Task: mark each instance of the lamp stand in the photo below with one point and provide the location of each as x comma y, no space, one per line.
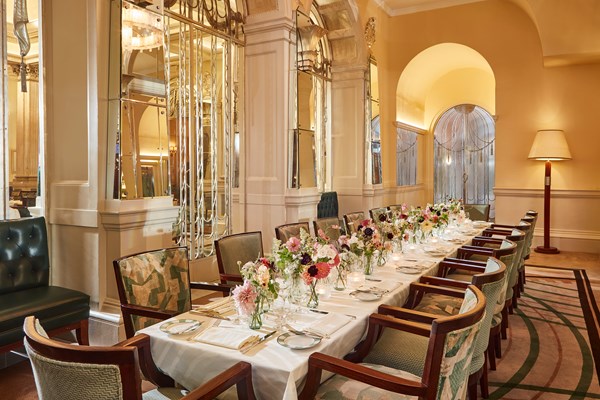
546,248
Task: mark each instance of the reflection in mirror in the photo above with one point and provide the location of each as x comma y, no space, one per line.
20,102
143,129
309,136
374,126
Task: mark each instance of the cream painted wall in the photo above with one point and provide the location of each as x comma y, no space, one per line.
464,86
528,97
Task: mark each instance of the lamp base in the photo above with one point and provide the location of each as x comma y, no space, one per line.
547,250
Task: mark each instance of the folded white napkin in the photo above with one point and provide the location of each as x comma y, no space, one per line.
218,307
231,338
181,327
328,324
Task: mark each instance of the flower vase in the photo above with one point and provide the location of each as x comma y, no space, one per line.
256,317
297,290
369,264
313,299
340,280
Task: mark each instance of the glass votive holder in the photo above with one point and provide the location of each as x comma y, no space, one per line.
355,280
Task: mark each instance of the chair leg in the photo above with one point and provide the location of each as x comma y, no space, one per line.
491,353
504,323
483,381
515,296
82,333
522,280
498,347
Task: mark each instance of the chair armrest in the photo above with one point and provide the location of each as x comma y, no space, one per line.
408,317
149,369
217,287
147,311
467,251
318,362
231,277
479,241
461,261
239,374
504,226
435,280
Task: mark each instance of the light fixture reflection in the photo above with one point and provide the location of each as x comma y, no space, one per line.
141,29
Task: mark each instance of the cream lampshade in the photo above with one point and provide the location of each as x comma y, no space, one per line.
549,145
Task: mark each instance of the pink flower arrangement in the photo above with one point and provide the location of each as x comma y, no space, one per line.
245,298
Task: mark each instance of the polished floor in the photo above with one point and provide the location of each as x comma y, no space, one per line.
17,382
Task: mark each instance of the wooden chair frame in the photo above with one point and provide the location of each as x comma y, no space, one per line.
128,310
131,355
350,219
279,230
223,275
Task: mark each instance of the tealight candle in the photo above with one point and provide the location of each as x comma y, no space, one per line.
396,256
324,290
355,280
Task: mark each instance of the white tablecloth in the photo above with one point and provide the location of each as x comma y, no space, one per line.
278,371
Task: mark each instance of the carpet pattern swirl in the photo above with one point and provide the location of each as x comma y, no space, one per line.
553,345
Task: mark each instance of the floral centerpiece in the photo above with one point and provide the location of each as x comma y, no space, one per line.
367,242
307,258
258,290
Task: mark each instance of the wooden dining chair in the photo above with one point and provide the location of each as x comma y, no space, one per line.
67,371
236,249
330,227
155,285
352,220
491,279
441,372
286,231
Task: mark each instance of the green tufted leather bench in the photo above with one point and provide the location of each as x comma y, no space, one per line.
25,289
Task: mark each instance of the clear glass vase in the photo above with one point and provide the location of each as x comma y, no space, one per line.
369,262
340,279
256,317
313,296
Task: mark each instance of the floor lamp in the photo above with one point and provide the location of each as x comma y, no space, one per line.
549,145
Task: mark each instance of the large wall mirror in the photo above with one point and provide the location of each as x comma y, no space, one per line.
312,79
373,124
176,72
139,90
21,105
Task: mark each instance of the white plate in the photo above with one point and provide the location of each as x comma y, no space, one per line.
298,342
366,296
180,326
480,224
409,270
436,252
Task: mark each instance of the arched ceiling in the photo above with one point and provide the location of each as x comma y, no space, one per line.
435,62
569,31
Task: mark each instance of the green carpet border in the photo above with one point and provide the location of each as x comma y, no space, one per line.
591,313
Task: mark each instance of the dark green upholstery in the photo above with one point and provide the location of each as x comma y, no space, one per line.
24,284
242,247
328,206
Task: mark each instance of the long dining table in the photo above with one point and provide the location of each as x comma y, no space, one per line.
279,371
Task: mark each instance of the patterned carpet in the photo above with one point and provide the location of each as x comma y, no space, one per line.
553,348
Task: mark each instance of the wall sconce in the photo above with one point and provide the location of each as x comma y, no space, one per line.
307,49
549,145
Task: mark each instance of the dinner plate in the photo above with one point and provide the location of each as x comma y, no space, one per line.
180,326
436,252
366,296
480,224
409,270
298,342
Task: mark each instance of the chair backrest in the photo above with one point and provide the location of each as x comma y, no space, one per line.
478,212
284,232
534,214
240,247
451,347
529,221
329,226
65,371
159,279
375,213
328,205
493,285
395,207
352,220
24,261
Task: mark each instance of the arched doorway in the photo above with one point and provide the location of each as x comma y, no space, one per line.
464,162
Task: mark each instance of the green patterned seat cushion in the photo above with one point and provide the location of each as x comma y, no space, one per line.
164,394
339,387
439,304
400,350
157,279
